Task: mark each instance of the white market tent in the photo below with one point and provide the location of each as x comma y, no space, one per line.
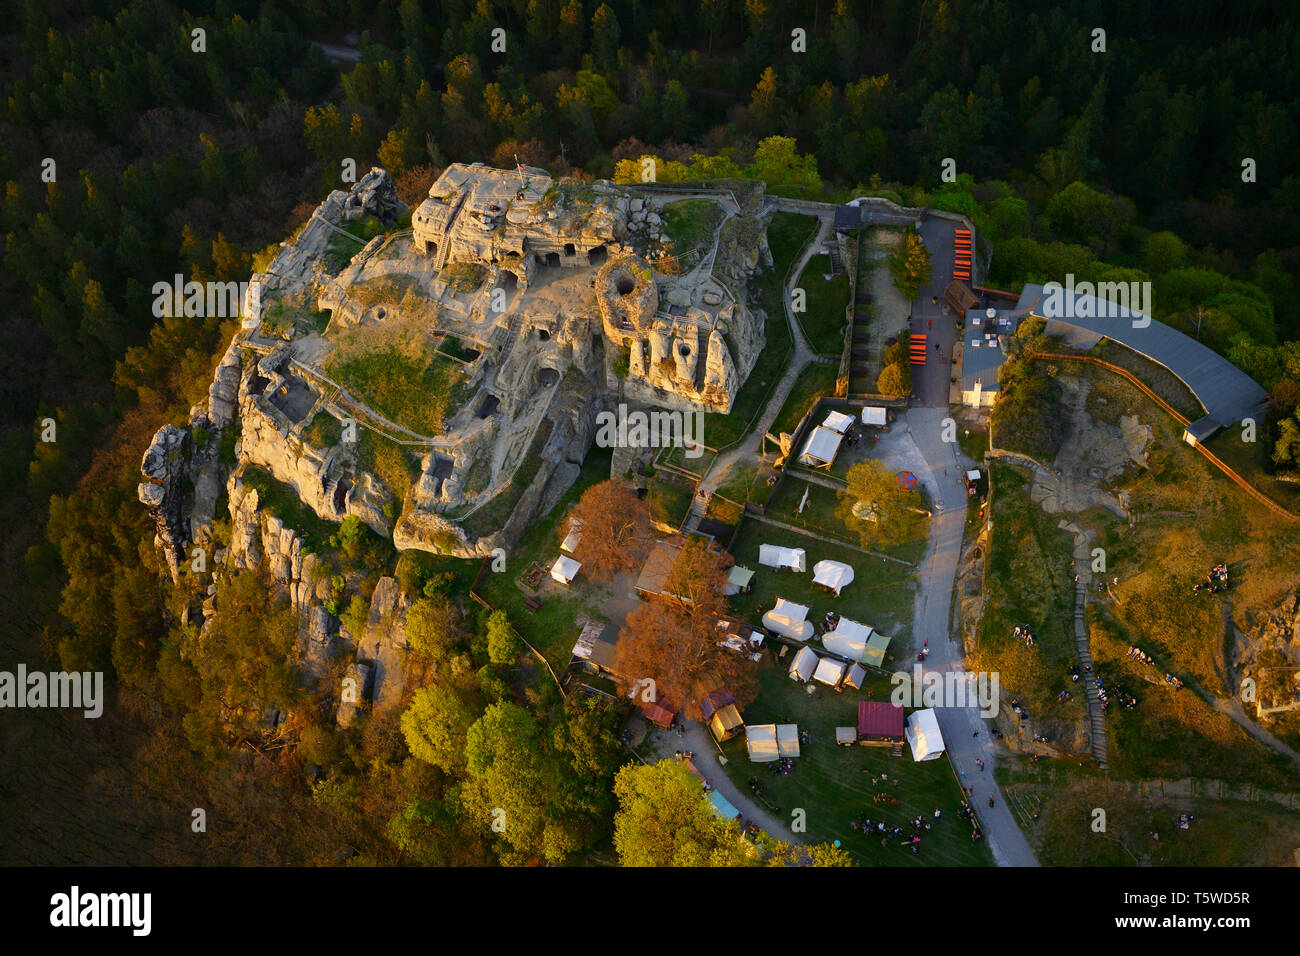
838,422
829,672
923,735
760,739
738,579
873,415
789,620
846,735
832,574
973,475
803,665
856,675
848,640
787,740
775,556
564,569
821,448
570,542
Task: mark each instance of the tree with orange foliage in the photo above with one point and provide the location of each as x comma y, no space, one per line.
675,641
615,526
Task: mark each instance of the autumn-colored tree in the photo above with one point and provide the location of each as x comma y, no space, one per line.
895,380
666,642
909,265
697,579
877,506
616,529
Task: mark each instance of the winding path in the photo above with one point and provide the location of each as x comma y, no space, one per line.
748,448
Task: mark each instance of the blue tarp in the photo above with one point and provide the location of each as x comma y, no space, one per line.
722,807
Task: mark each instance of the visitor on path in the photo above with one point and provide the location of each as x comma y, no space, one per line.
990,803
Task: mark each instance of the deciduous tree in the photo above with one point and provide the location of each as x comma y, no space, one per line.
616,529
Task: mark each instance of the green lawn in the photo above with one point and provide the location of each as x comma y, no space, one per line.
689,224
834,786
1250,460
821,515
1154,375
826,299
1029,579
815,382
698,466
669,495
880,594
551,628
415,392
721,431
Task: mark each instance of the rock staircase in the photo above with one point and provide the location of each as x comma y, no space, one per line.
837,263
1096,716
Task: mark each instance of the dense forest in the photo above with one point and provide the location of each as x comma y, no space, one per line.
148,139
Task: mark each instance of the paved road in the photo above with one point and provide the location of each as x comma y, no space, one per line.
938,468
698,739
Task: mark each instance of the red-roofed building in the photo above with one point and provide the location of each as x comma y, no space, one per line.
659,714
879,722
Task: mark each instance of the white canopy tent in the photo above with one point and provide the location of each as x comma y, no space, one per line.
922,732
775,556
760,739
789,620
571,540
738,579
848,640
829,672
820,449
838,422
564,569
856,675
832,574
803,665
787,740
874,415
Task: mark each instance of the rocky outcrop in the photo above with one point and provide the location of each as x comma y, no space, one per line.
165,467
327,480
1269,652
384,643
374,195
223,393
255,536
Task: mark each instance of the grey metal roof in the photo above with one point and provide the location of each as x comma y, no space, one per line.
981,357
1228,393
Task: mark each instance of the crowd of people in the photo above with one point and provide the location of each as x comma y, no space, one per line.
1141,655
1125,699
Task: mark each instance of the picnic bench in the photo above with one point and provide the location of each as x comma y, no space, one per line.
532,603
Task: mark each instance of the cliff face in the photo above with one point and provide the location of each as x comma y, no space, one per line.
1269,653
165,468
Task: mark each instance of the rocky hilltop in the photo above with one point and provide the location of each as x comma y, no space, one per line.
441,383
